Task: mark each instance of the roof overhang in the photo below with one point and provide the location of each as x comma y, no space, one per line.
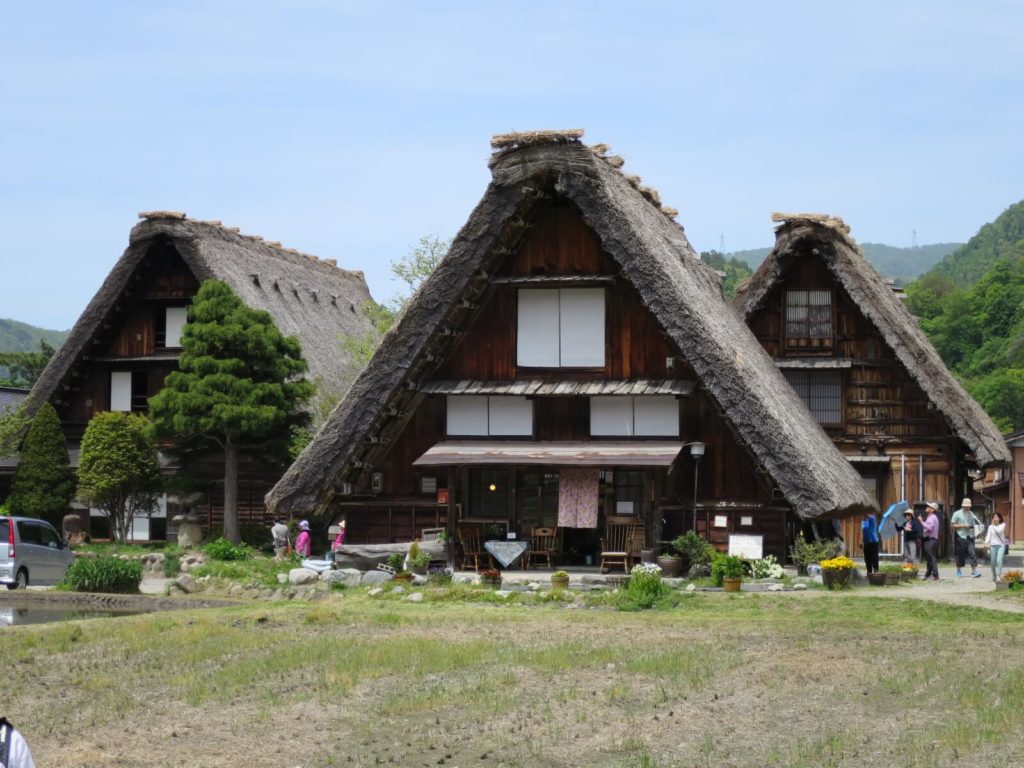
569,454
824,362
539,387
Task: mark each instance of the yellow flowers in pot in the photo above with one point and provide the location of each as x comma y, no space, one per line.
840,563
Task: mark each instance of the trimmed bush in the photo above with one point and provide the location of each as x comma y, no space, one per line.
104,574
172,565
222,549
644,589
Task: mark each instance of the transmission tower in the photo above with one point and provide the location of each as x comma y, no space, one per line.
913,241
721,244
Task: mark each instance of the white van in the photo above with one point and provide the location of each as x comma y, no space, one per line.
31,552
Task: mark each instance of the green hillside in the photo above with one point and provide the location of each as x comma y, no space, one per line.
971,306
900,264
22,337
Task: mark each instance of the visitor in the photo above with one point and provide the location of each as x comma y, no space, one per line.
279,532
962,523
14,752
998,544
912,533
339,540
869,531
930,535
302,541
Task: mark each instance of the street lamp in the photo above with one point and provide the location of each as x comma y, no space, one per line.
696,453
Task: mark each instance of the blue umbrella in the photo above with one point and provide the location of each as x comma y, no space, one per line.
892,520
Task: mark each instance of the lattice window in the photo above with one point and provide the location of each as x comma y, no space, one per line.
821,392
809,315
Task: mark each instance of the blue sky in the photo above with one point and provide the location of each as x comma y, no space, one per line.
348,130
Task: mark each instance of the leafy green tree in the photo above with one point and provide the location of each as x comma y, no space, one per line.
239,385
736,271
13,425
118,471
44,484
23,368
1001,394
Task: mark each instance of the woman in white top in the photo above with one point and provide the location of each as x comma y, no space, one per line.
997,542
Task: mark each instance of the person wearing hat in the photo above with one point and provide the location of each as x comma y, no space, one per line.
303,541
912,533
930,537
962,523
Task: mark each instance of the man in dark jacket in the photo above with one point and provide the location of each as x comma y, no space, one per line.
912,532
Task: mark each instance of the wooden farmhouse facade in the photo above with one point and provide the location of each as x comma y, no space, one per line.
867,374
129,337
570,363
1003,487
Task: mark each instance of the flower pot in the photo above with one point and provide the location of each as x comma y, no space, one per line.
838,578
403,576
908,576
876,579
671,567
1002,585
559,582
732,583
891,579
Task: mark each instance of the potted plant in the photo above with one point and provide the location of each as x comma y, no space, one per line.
671,564
1011,580
695,550
892,572
908,572
396,562
417,559
837,572
767,568
727,572
876,579
805,552
491,577
560,580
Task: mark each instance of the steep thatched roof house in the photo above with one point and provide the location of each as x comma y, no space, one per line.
128,338
862,364
572,309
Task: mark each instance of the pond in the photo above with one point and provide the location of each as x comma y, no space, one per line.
14,614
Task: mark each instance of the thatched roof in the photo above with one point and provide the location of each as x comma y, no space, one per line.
309,298
653,254
829,238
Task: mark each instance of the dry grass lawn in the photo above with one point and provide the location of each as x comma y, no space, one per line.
748,680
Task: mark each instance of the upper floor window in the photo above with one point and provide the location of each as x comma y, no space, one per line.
561,328
821,391
629,416
809,318
170,322
129,391
481,416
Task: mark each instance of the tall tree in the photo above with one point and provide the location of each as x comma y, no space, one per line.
44,484
23,368
118,471
238,385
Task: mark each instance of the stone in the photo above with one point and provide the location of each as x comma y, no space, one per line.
533,586
347,577
185,583
282,578
415,597
698,572
398,590
465,577
418,580
375,591
277,594
504,594
297,576
375,577
190,533
799,587
672,582
691,587
236,589
775,588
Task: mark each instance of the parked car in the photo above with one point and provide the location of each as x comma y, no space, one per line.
31,552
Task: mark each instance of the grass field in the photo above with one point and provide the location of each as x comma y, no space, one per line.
749,680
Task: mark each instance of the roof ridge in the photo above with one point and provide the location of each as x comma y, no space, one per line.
825,219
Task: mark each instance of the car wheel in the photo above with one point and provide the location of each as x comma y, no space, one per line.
21,582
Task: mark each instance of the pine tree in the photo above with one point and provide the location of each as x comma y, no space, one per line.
118,471
237,385
44,484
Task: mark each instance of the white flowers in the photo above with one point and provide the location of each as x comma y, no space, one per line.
650,569
767,568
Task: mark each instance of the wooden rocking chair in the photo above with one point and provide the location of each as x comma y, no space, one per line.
615,544
543,545
472,548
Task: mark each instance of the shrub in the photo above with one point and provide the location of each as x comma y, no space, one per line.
255,534
172,565
699,551
222,549
767,568
807,552
104,574
726,567
417,558
397,561
644,590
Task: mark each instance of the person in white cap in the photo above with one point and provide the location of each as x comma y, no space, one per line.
930,540
962,523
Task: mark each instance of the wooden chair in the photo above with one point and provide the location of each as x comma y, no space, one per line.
472,547
635,542
616,542
543,545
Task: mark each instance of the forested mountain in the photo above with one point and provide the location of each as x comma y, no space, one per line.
22,337
971,306
900,264
735,270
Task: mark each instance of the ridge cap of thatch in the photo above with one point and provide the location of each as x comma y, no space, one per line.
504,142
652,254
877,300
